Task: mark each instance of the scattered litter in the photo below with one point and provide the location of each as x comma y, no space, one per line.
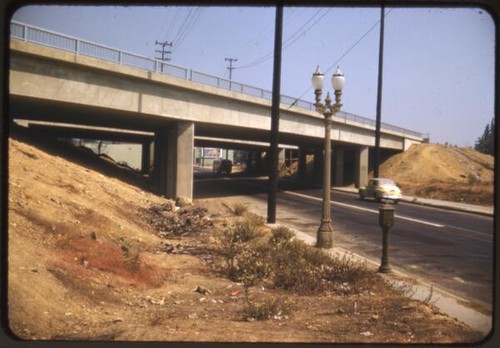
202,290
408,307
155,301
168,219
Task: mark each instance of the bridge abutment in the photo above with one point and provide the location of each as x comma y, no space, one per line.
146,157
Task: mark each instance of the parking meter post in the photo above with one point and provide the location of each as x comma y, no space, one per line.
386,221
385,266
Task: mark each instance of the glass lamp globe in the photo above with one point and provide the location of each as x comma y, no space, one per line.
338,80
318,79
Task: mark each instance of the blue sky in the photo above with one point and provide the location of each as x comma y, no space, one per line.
438,62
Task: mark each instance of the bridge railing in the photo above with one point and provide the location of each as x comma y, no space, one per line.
52,39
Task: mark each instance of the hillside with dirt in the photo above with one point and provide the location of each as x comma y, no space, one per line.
94,258
443,172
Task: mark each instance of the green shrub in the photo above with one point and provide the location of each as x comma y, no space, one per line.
252,267
255,219
293,269
233,240
240,209
299,267
281,261
345,269
281,234
268,309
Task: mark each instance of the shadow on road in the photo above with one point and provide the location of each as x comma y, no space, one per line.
212,185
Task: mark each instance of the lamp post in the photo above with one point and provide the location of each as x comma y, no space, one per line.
324,237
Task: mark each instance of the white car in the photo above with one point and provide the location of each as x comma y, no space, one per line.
380,188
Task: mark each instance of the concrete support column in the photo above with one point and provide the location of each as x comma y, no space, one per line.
361,178
160,161
249,168
180,160
302,165
146,157
173,154
339,166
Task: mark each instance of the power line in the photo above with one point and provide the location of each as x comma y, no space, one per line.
163,25
262,36
180,23
183,26
186,27
342,56
173,22
290,40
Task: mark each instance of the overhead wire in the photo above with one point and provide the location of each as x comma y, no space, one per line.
342,56
178,27
184,27
259,39
163,25
245,48
172,24
290,40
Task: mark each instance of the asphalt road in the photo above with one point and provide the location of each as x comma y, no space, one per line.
452,250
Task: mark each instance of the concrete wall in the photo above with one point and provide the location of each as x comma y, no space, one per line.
129,153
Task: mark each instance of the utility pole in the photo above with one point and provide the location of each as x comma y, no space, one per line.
163,51
275,117
230,68
379,94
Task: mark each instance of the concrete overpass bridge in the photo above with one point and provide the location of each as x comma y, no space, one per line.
67,87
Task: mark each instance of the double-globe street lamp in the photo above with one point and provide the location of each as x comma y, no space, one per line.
324,237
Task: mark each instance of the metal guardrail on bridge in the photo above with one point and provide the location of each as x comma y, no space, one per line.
75,45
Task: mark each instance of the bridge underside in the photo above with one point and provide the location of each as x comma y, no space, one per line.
56,111
168,144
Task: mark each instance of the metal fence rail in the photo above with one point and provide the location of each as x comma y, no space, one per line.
49,38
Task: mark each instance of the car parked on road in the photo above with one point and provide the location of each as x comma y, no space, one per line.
222,166
380,188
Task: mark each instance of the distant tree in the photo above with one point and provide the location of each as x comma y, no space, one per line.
485,143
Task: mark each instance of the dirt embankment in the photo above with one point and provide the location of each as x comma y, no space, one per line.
442,172
93,258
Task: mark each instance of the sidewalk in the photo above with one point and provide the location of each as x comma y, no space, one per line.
468,208
450,304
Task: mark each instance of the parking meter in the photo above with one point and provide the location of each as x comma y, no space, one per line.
386,221
386,216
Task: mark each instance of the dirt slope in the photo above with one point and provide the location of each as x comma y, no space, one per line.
87,262
441,172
